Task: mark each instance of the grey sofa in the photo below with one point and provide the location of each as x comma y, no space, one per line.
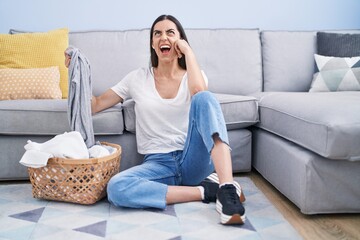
113,54
305,144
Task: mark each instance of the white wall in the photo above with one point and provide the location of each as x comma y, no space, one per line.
78,15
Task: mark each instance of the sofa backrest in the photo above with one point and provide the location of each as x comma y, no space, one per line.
231,58
112,54
288,59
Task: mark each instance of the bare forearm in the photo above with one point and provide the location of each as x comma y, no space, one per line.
104,101
93,105
196,80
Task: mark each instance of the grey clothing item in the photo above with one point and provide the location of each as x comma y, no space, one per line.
80,94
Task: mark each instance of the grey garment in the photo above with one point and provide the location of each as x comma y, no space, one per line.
80,94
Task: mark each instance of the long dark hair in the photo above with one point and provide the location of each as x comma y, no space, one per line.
153,56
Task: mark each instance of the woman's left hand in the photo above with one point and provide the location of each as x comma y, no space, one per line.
67,59
181,47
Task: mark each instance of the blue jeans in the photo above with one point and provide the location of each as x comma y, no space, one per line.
146,185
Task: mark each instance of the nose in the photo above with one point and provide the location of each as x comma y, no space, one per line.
164,37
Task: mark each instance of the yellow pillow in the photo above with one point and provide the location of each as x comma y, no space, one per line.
36,83
36,50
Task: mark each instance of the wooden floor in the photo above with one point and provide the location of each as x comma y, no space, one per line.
325,226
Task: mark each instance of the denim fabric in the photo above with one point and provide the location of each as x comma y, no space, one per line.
146,185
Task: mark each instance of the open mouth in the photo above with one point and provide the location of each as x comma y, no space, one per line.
165,48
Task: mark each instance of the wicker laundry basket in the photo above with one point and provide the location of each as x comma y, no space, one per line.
81,181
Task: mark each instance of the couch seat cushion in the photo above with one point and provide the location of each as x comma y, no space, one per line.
326,123
239,111
49,117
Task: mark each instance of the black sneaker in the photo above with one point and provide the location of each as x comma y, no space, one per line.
229,206
214,178
210,190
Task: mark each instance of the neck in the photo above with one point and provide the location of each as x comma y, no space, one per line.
168,69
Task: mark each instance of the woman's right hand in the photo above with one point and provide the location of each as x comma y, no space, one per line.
67,59
182,47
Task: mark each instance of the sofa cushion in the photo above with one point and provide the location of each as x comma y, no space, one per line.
336,74
239,111
36,50
288,60
229,56
338,44
326,123
49,117
30,83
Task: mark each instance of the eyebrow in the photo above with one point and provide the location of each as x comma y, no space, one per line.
168,30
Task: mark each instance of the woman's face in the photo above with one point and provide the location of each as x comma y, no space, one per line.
164,36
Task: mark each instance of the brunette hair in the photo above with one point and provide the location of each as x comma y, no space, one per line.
154,58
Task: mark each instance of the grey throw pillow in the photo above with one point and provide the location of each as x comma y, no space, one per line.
338,44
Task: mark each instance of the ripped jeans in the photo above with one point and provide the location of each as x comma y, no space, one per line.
146,185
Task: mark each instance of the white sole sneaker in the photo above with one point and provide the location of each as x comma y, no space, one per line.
229,219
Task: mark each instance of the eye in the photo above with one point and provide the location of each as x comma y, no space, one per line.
171,32
156,33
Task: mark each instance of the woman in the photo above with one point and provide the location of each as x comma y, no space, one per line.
179,128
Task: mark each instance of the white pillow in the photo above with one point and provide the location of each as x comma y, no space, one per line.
336,74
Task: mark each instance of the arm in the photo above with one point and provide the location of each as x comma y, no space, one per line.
104,101
196,81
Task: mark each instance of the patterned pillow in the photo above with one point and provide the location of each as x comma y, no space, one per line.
36,50
336,74
36,83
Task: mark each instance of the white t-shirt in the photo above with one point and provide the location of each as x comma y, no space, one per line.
161,124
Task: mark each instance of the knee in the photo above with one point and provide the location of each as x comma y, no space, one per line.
116,190
204,97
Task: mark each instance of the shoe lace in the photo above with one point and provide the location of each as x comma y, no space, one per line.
231,195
